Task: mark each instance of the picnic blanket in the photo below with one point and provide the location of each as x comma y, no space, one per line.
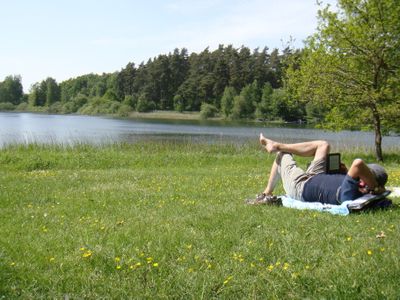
330,208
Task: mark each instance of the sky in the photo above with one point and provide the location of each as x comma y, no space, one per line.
69,38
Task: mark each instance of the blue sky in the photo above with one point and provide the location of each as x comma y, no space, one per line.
65,39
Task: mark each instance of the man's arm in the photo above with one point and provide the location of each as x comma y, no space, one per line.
360,171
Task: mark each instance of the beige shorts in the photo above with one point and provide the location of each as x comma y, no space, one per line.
293,177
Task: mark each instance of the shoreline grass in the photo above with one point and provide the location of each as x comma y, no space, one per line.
167,220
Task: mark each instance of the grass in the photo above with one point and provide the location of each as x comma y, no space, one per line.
167,220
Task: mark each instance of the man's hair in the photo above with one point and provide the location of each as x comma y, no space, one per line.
379,172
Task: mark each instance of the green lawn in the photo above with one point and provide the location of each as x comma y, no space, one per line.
157,220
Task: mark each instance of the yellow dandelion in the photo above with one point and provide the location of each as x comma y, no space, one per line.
12,264
348,238
138,264
118,267
155,265
51,259
369,252
87,254
382,249
117,259
285,266
227,280
307,267
82,249
270,267
189,247
149,260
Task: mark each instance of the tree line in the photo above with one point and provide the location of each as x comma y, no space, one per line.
230,82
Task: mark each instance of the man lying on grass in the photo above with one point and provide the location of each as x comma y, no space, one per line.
314,184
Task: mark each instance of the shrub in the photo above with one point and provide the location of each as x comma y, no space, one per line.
208,111
22,106
6,106
56,108
144,105
124,110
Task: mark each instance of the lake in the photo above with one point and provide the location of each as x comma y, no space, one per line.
25,128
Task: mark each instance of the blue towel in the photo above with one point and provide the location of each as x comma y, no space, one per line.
331,208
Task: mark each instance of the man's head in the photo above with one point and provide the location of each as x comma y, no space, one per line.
380,174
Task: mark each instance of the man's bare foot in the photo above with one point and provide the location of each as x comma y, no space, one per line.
269,145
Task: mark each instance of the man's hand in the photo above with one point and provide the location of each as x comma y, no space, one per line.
343,169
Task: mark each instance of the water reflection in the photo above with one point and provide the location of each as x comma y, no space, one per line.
24,128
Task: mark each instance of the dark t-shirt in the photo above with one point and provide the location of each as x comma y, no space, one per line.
330,188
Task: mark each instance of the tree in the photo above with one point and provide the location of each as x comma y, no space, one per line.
37,95
227,101
11,90
208,111
351,67
264,108
125,80
244,104
53,93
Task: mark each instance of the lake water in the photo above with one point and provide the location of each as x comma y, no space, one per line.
25,128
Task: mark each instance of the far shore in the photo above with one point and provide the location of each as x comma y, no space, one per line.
168,114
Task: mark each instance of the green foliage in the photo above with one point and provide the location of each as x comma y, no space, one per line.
227,101
177,81
90,85
208,111
75,103
124,110
44,93
11,90
22,106
98,106
179,104
130,101
110,95
144,105
6,106
52,92
167,220
351,65
56,108
264,109
244,105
